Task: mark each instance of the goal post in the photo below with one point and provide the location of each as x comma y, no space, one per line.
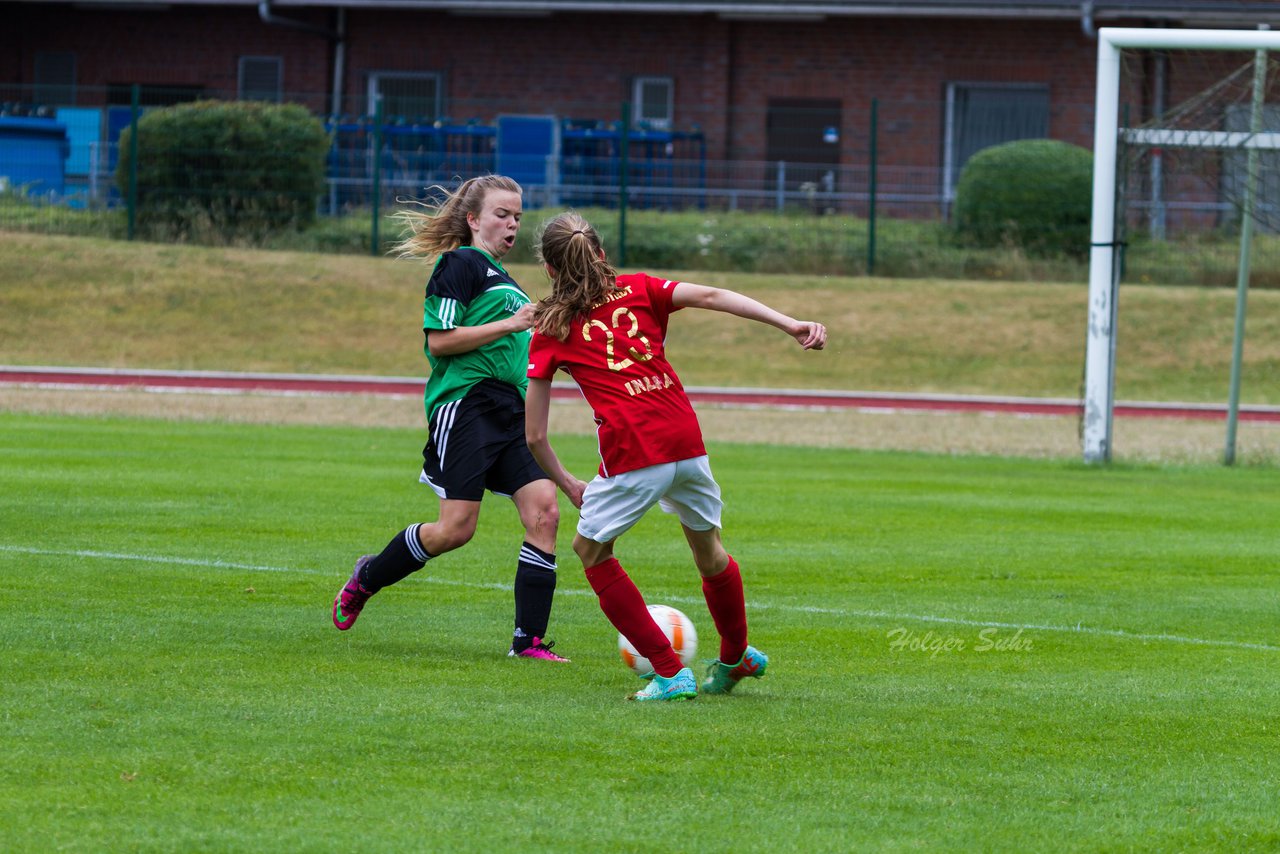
1100,346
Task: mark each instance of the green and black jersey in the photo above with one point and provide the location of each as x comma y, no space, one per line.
468,287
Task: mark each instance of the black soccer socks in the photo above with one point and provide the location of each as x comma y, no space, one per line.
403,556
535,588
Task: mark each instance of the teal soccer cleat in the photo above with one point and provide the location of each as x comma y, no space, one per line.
721,677
682,686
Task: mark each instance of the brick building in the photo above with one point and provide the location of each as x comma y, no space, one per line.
755,82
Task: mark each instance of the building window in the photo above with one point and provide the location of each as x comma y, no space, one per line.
55,78
260,78
802,143
980,115
653,102
411,96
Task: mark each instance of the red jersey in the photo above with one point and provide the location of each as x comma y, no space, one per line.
615,355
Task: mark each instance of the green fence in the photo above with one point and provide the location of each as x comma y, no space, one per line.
871,195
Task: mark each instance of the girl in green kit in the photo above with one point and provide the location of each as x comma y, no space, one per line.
476,320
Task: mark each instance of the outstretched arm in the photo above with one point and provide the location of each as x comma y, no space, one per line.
464,339
810,334
537,408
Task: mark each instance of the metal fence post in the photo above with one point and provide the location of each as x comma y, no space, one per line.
377,176
871,202
780,190
135,99
624,143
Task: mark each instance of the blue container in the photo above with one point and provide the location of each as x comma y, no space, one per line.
33,154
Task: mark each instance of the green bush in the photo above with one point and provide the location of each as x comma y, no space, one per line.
1033,194
211,170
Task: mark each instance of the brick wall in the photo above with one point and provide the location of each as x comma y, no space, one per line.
180,46
725,72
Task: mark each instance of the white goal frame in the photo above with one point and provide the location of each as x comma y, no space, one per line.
1100,346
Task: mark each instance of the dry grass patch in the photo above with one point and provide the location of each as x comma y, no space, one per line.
89,302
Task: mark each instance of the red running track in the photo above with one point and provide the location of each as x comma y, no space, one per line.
314,384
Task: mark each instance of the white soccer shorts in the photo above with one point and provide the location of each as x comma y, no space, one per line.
612,505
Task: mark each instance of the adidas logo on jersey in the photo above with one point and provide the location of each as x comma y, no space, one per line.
492,272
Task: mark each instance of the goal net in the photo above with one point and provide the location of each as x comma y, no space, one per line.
1187,142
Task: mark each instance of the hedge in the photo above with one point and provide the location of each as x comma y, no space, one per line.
1034,194
216,169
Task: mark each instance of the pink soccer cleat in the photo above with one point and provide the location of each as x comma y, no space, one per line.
541,649
350,601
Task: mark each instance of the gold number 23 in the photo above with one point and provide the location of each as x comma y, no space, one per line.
621,314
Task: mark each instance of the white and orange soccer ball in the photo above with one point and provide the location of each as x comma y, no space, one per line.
679,630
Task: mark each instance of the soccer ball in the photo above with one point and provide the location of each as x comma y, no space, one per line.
679,630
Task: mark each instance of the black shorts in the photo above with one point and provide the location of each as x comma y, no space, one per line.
478,443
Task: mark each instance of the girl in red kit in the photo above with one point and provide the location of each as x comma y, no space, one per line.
607,332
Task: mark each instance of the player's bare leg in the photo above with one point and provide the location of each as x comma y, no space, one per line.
708,552
539,513
453,529
590,552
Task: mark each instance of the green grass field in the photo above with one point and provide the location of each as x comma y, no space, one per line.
173,682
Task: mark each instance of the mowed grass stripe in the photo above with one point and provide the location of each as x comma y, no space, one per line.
216,708
753,604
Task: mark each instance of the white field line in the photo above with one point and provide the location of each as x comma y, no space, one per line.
754,604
